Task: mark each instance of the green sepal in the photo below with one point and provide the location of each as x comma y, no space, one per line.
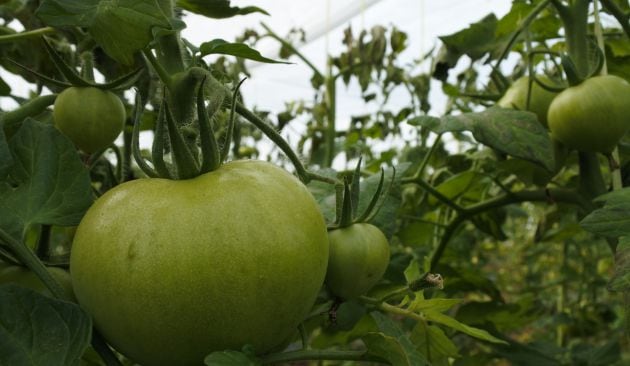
375,198
227,141
383,197
211,156
135,139
68,72
355,189
184,161
346,218
157,149
58,83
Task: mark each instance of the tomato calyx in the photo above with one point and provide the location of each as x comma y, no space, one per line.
187,161
348,200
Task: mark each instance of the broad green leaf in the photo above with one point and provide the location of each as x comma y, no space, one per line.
219,46
439,305
621,278
395,342
230,358
475,41
516,133
612,220
432,342
120,27
456,185
390,349
217,8
38,330
47,183
453,323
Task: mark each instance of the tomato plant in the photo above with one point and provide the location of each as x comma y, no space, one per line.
539,98
359,255
92,118
249,262
592,116
484,242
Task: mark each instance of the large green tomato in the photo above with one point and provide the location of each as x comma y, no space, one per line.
359,255
592,116
24,277
174,270
539,100
92,118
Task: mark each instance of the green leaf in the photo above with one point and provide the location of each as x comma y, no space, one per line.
453,323
433,343
456,185
47,183
38,330
217,8
516,133
393,343
612,220
439,305
230,358
621,278
219,46
390,349
120,27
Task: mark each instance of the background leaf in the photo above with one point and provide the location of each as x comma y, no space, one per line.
219,46
121,27
38,330
217,8
47,183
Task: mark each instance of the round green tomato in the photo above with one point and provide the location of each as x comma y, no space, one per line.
592,116
92,118
359,255
174,270
539,100
24,277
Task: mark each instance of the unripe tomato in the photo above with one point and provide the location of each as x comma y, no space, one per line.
24,277
540,98
174,270
359,255
92,118
592,116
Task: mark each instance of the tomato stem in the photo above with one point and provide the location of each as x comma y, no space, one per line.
35,33
10,121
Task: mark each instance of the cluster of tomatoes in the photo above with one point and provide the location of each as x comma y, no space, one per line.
592,116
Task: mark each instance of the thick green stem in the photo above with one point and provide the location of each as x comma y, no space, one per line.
591,181
36,33
169,47
575,20
312,354
29,259
11,120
